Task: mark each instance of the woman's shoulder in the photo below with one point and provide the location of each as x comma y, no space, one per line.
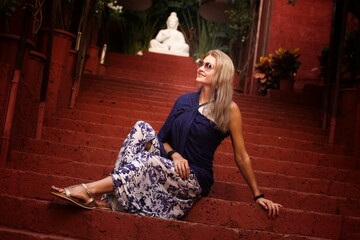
235,113
234,106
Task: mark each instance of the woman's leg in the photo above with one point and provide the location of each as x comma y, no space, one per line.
150,186
136,141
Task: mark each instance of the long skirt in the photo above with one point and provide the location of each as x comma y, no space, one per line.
146,183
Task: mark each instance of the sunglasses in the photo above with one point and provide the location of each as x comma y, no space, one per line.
207,66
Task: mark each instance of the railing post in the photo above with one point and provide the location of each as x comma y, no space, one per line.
10,110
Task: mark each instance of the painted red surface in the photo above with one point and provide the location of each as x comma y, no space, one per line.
307,26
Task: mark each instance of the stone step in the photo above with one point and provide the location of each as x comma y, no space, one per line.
264,166
151,77
67,134
20,234
113,90
228,174
247,114
170,94
232,191
292,199
282,181
152,62
151,111
302,155
100,120
234,215
108,115
120,83
292,155
116,83
238,215
300,170
69,222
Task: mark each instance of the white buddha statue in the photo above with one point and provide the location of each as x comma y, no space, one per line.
170,40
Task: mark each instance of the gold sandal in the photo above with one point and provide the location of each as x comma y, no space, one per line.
89,204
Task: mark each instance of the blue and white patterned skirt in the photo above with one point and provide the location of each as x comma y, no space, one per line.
146,183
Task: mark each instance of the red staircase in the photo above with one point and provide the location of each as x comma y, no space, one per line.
316,182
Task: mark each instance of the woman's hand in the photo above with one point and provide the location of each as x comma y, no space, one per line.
181,165
270,206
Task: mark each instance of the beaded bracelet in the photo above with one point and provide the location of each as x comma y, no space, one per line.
170,153
259,196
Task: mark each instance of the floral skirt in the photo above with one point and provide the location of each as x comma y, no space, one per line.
146,183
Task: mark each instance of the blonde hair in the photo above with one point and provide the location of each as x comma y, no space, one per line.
222,89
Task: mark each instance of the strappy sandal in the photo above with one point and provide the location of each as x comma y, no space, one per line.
89,204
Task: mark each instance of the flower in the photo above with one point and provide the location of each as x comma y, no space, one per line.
283,64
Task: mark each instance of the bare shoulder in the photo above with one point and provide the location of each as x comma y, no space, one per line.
235,117
235,110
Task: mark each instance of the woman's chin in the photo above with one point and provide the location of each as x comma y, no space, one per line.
199,80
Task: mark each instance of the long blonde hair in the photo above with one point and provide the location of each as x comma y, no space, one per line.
222,89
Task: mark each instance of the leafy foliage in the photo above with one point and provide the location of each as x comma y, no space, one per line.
281,65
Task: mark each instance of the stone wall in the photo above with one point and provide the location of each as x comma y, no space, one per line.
307,26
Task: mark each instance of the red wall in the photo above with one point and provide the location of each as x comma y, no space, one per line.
307,26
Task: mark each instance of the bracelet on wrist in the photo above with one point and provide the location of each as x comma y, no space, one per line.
259,196
170,153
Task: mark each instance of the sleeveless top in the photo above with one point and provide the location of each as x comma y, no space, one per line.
194,136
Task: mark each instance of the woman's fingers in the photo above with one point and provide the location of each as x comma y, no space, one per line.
186,169
182,168
273,208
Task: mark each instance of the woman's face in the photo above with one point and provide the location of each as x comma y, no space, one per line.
206,71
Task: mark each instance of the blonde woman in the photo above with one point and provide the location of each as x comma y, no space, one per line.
164,175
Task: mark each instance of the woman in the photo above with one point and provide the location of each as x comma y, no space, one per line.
165,175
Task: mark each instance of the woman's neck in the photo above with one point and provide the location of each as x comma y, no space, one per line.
205,95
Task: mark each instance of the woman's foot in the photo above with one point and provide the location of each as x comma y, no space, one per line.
78,194
102,205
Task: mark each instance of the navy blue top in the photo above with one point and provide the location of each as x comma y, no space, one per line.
194,136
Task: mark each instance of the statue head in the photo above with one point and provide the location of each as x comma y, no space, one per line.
172,21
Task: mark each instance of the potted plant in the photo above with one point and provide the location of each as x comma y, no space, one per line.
264,75
278,70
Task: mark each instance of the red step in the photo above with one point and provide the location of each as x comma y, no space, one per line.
316,182
73,223
233,191
234,215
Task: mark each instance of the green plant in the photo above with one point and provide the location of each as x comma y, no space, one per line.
206,37
202,35
281,65
241,18
139,31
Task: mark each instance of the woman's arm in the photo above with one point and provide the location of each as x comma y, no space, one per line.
243,161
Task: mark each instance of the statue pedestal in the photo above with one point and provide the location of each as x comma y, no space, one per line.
182,54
